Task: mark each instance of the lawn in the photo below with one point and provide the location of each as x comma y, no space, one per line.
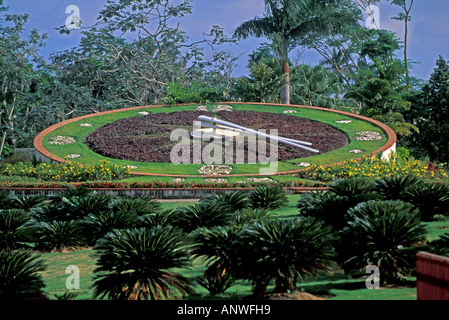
333,285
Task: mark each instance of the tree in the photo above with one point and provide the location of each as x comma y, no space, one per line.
433,137
285,22
18,76
405,16
133,52
315,86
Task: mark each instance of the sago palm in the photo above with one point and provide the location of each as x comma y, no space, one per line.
17,229
135,264
20,275
283,250
382,233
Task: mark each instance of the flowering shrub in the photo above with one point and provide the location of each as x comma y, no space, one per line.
67,172
374,168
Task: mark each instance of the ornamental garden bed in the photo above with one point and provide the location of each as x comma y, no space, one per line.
138,138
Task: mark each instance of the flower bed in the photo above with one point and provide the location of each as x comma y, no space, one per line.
375,168
67,171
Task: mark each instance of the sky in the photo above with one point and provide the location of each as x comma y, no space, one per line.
428,30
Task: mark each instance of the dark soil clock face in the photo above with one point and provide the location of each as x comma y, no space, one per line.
147,138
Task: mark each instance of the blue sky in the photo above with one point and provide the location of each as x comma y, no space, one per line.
428,34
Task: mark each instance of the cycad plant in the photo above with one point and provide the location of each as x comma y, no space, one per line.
282,250
203,214
141,205
60,235
267,197
394,187
161,217
237,200
20,275
17,229
78,207
216,246
431,199
4,199
382,233
332,206
26,202
135,264
95,226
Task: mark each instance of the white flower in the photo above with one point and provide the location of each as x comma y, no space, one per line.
215,170
144,113
222,107
85,125
368,136
130,167
215,180
73,156
201,108
260,179
356,151
303,164
344,121
61,140
290,111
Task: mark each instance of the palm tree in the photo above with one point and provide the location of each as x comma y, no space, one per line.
315,86
285,22
134,264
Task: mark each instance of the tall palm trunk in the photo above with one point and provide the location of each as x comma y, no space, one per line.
285,90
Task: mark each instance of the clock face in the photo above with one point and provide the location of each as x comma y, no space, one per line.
143,139
147,138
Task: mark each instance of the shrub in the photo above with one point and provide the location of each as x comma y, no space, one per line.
267,197
430,198
16,229
332,206
141,206
60,235
385,234
216,286
282,250
79,207
98,225
26,202
373,168
204,214
194,93
237,200
20,275
393,188
136,264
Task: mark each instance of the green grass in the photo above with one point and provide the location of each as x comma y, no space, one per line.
332,286
89,157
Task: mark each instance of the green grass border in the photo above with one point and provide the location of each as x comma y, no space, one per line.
72,129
